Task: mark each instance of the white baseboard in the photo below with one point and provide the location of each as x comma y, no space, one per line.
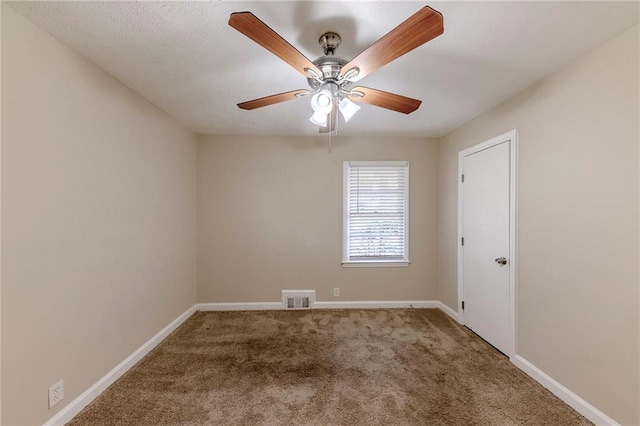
574,401
74,407
447,310
383,304
269,306
250,306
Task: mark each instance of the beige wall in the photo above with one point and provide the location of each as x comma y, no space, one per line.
99,217
577,284
0,225
270,218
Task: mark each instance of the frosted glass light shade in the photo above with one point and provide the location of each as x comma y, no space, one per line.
319,119
348,109
322,102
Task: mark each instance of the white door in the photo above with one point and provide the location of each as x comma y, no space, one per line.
485,229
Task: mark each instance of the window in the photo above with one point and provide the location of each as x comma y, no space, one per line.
376,213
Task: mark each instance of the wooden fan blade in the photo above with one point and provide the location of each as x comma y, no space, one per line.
273,99
332,119
386,100
248,24
424,25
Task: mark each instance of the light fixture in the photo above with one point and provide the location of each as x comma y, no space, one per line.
330,96
319,119
348,109
322,102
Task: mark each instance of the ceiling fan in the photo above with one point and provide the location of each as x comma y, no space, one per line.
331,78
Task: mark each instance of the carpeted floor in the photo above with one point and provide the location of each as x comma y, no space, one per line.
326,367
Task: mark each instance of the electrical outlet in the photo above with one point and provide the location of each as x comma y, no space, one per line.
56,393
336,292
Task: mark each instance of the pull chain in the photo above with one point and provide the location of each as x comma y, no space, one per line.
330,131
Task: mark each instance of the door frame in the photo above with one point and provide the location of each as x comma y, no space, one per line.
510,137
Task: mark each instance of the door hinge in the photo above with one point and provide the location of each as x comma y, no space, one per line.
462,241
463,305
463,178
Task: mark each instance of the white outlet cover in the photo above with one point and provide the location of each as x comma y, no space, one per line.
56,393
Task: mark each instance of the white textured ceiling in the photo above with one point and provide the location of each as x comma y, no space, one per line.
184,58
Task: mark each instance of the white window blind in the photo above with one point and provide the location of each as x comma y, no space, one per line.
376,211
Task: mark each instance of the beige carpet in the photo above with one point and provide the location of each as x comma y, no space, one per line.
326,367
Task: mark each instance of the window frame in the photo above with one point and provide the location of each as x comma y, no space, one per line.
346,262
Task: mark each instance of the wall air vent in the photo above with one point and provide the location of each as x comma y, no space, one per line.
298,299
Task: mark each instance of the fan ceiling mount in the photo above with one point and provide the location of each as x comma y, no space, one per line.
330,77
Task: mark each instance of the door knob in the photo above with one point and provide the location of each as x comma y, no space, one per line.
501,261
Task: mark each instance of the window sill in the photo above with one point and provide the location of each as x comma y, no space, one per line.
375,263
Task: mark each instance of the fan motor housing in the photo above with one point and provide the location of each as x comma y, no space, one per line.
330,67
